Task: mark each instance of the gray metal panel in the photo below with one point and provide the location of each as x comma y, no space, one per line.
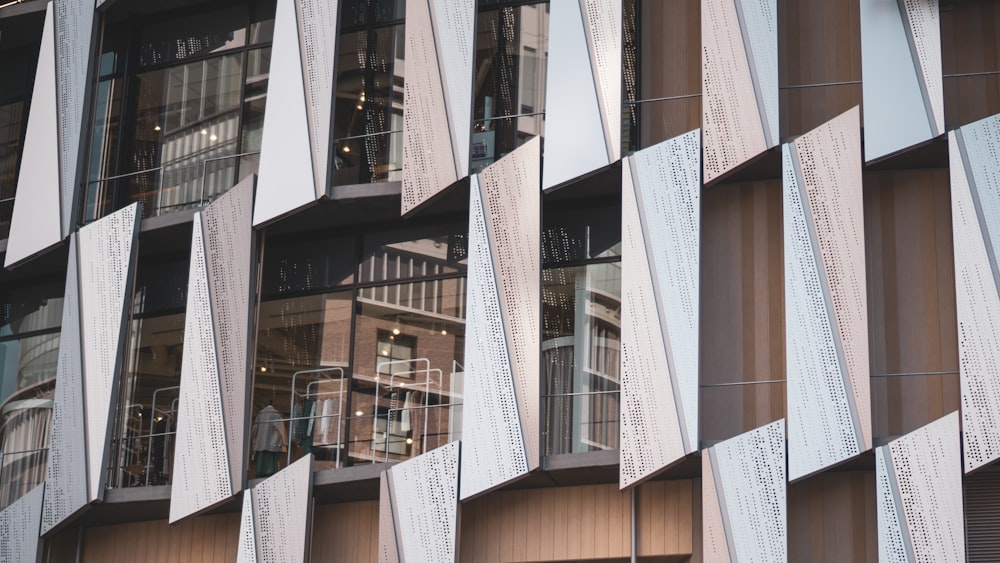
247,550
287,179
282,505
493,450
107,263
19,525
66,482
74,25
36,223
317,22
424,504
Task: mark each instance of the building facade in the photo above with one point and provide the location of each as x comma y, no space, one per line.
499,280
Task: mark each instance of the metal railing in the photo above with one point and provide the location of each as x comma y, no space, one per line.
581,421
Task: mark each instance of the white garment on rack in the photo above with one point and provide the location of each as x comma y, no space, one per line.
325,422
404,419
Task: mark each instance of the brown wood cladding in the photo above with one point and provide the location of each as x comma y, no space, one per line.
346,532
571,523
200,539
832,517
911,289
742,308
970,44
819,42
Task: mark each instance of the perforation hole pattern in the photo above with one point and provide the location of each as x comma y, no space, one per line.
247,550
425,495
454,27
891,548
281,505
19,527
925,29
761,19
317,42
387,550
714,545
74,24
603,25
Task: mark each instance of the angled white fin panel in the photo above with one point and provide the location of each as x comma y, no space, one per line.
901,74
661,222
388,550
317,22
454,28
423,499
826,309
107,263
287,179
975,209
282,507
923,472
748,481
19,525
760,39
247,550
36,223
603,26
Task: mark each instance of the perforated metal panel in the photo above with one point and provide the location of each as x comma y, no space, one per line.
65,472
247,550
454,25
715,546
282,508
739,82
388,550
317,24
603,27
826,310
107,261
975,208
287,179
901,72
661,222
19,525
36,222
747,475
494,451
422,496
922,471
576,131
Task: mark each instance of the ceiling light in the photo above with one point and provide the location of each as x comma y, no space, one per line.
409,440
395,331
385,352
156,127
444,333
263,369
359,413
214,137
204,131
346,148
360,107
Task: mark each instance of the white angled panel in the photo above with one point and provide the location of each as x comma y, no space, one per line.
247,550
575,140
829,411
286,165
661,217
512,205
74,27
923,473
975,209
737,83
201,472
107,260
748,474
715,545
317,20
388,551
454,29
66,483
36,223
901,72
493,450
423,494
19,525
281,512
603,27
429,156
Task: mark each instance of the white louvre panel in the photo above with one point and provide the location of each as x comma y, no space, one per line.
925,481
281,513
247,550
715,546
454,28
749,482
660,234
829,413
201,473
975,208
512,206
424,502
74,28
65,473
891,545
731,112
36,222
388,551
107,260
19,525
317,20
286,166
603,26
900,49
760,39
493,445
429,158
575,141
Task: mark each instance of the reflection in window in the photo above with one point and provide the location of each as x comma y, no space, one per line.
192,125
151,382
359,356
509,78
30,317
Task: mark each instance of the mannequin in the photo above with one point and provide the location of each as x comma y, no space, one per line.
269,440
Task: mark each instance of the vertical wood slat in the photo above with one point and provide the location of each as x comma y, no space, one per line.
831,517
200,539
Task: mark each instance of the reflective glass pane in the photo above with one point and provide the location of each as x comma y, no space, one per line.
576,235
24,443
412,254
193,36
296,264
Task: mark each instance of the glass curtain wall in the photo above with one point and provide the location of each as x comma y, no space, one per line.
359,347
30,318
508,77
581,327
147,414
179,108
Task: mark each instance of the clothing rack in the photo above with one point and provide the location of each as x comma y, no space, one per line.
421,366
312,395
